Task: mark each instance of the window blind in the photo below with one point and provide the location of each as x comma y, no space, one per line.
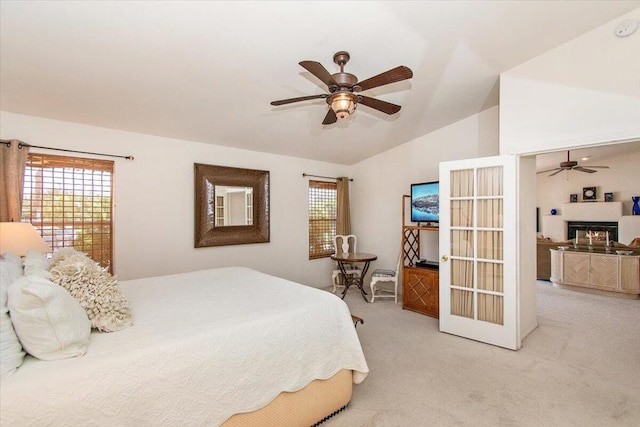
323,207
70,201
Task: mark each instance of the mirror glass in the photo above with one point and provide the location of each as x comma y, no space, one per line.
232,206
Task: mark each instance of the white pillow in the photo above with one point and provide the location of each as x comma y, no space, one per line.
11,265
36,264
49,322
11,354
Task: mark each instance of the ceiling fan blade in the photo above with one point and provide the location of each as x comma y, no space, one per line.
581,169
384,106
318,70
394,75
599,167
549,170
330,118
557,172
301,98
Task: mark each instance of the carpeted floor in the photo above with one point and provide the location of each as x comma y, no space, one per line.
580,367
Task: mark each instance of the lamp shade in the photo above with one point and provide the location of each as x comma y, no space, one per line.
18,237
343,104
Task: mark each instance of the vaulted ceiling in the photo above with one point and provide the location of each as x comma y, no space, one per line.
599,155
206,71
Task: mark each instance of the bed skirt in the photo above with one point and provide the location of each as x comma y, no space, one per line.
306,407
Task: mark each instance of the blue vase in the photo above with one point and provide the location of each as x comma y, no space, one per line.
635,210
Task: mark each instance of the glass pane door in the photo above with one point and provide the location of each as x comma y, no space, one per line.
477,244
477,255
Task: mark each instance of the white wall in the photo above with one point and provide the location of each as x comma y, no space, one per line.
380,182
583,92
622,179
154,214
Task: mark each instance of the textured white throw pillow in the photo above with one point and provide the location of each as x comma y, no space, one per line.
49,322
11,354
93,287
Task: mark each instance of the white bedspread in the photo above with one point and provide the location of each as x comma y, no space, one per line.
204,345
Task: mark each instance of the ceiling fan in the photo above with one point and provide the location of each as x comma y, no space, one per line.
573,165
344,88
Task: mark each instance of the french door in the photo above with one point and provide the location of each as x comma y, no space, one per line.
478,265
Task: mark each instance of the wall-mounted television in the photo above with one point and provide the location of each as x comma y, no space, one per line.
425,202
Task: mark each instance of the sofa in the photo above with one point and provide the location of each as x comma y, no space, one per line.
543,256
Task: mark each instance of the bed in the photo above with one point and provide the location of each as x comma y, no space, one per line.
228,346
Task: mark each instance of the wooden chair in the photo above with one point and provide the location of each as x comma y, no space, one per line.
344,244
382,275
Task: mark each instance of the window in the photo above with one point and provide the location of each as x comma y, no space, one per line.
220,211
249,205
323,207
69,200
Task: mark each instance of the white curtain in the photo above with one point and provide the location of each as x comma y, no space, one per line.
462,183
461,213
13,160
462,303
490,277
491,308
462,243
490,245
490,181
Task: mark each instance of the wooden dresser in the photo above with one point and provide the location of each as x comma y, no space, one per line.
606,272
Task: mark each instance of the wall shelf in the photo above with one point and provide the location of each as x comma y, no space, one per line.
419,227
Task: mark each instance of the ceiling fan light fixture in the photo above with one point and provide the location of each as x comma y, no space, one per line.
344,89
343,104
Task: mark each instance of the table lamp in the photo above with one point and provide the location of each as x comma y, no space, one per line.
18,237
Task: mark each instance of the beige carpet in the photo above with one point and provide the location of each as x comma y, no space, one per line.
580,367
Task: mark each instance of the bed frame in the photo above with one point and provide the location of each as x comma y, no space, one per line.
310,406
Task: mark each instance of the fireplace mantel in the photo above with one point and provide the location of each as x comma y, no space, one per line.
555,226
592,211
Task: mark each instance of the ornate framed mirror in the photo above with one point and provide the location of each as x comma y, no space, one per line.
231,206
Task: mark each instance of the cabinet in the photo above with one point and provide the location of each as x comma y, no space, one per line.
607,272
420,285
420,288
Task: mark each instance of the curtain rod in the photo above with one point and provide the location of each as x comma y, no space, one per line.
22,144
325,177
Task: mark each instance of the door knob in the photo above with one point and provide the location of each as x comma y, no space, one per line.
445,258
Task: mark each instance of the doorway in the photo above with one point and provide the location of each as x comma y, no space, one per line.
618,182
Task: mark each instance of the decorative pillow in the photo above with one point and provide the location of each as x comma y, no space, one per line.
36,264
11,354
49,322
93,287
384,273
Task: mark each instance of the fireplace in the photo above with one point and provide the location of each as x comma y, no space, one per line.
596,229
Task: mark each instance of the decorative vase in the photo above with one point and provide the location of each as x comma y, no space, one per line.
635,210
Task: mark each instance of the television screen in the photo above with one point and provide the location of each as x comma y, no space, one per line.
425,202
